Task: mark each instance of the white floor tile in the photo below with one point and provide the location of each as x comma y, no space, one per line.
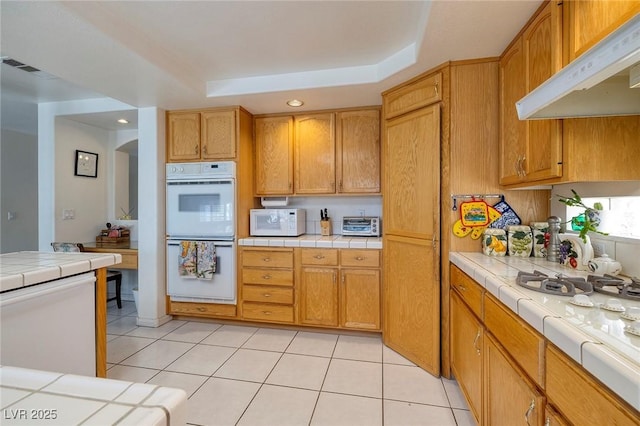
317,344
335,409
389,356
156,332
464,417
299,371
122,325
124,346
202,359
188,382
192,332
282,406
354,378
359,348
158,355
128,309
413,384
456,398
407,414
247,364
220,402
131,374
230,335
270,339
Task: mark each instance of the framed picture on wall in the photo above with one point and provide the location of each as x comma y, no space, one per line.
86,164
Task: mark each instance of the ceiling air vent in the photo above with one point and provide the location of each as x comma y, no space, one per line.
27,68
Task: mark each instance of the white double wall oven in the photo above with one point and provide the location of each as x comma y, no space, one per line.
201,208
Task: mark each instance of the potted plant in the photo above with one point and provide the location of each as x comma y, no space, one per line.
585,222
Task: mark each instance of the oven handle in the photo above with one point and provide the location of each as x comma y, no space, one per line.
200,182
217,243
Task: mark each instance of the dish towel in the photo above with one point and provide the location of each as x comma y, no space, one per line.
206,259
187,261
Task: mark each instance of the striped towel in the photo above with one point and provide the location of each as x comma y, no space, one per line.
206,259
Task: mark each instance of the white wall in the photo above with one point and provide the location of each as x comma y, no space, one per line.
19,189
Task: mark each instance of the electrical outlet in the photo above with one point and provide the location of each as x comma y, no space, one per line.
11,215
361,212
598,248
68,214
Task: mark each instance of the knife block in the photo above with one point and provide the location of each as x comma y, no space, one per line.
325,228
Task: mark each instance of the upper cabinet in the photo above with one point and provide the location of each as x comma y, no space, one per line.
544,152
329,152
588,22
208,135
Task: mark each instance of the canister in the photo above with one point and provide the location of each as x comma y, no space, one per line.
494,242
539,232
520,240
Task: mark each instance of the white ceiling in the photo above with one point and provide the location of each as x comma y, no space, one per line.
258,54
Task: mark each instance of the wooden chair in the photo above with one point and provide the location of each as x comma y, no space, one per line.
111,275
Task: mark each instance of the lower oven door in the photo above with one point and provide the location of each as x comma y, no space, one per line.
220,288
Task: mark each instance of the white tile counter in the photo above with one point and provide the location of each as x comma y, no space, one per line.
592,336
25,268
309,240
39,397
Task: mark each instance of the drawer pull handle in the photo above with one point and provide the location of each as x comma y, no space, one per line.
266,312
319,256
266,276
475,343
266,294
359,258
202,309
266,259
532,406
462,287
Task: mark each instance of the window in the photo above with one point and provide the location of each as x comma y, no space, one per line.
620,216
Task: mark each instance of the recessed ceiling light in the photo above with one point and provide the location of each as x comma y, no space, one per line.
123,121
295,103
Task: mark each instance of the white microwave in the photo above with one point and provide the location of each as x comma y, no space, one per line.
278,222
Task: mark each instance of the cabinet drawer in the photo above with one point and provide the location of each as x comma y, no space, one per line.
129,261
469,290
580,398
319,257
269,294
522,342
267,258
267,276
203,309
413,96
267,312
360,258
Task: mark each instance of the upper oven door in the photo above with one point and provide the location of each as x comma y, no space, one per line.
201,208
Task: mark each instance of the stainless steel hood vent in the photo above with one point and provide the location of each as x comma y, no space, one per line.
597,84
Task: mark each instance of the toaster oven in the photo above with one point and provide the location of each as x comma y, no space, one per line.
361,226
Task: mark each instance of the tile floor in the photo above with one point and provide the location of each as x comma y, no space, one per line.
242,375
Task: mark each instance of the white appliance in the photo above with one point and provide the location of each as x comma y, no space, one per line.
201,207
50,326
598,83
278,222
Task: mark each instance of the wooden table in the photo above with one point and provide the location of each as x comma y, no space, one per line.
129,252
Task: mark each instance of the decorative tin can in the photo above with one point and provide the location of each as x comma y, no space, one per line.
494,242
539,232
520,240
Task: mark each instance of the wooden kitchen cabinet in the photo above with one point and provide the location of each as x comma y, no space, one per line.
509,398
358,151
588,21
319,296
206,135
267,277
360,289
553,418
274,155
315,155
467,336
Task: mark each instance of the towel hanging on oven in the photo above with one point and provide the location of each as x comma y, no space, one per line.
197,259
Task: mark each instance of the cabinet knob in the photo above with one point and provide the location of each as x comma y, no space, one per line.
196,149
359,258
266,259
435,88
462,287
204,149
266,312
266,294
266,277
319,256
201,309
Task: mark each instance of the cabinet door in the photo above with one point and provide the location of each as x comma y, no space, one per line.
358,151
589,21
467,335
319,296
542,43
183,136
509,398
553,418
274,155
315,157
512,131
218,135
360,298
412,174
411,324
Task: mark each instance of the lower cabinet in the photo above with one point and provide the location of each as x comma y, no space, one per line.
319,296
360,299
510,398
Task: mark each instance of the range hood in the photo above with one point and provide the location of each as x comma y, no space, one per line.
598,83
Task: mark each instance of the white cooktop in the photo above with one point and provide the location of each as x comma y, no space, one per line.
592,336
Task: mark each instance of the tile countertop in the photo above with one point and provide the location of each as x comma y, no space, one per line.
593,337
42,397
309,240
25,268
